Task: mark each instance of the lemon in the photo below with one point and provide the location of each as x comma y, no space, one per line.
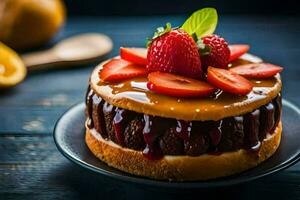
30,23
12,69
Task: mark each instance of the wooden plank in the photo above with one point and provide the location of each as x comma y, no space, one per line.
32,168
22,120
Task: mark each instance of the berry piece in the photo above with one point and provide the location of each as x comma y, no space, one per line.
175,52
219,53
170,144
119,69
178,86
237,50
136,55
228,81
197,145
133,134
257,70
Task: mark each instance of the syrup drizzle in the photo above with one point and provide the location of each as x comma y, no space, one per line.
183,129
266,119
107,107
278,107
117,123
152,150
251,128
102,127
216,133
96,103
89,107
255,147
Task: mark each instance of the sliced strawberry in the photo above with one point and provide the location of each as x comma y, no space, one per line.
257,70
135,55
228,81
237,50
178,86
118,69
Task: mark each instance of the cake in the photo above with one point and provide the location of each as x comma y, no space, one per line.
188,107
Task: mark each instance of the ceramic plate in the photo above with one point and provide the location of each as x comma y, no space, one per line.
69,136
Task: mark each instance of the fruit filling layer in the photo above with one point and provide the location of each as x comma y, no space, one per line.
157,136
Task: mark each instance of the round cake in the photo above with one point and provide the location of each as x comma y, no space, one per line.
173,124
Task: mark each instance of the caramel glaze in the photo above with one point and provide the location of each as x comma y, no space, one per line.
157,136
133,95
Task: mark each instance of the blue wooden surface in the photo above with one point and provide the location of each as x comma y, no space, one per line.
32,168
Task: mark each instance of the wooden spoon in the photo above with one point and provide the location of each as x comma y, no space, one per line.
76,50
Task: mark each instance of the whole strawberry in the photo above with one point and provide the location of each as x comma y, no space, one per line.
218,54
174,51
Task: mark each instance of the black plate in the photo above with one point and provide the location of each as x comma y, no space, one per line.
69,135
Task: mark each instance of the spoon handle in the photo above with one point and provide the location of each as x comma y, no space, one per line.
76,50
40,60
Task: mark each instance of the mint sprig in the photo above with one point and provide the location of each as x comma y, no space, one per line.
202,22
159,32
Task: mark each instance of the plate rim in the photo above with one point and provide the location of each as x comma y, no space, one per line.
221,182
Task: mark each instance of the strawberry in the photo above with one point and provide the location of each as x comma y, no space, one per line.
257,70
119,69
176,52
219,53
228,81
237,50
135,55
178,86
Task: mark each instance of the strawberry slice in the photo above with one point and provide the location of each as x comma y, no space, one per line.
257,70
135,55
178,86
119,69
228,81
237,50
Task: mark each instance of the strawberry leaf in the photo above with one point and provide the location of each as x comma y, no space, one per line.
202,22
159,32
203,48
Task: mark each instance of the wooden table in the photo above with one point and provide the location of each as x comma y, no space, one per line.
32,168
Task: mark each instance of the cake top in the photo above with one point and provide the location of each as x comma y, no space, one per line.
189,73
133,94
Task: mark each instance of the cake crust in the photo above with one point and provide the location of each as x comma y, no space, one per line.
181,168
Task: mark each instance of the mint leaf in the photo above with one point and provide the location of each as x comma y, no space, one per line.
159,32
202,22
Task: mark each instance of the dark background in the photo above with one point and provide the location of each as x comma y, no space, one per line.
169,7
31,167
